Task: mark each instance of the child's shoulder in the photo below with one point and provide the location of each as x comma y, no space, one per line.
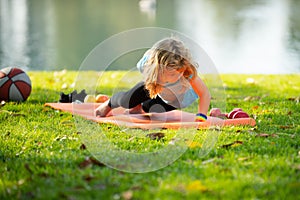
141,63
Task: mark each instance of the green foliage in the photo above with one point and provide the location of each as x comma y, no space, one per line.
42,155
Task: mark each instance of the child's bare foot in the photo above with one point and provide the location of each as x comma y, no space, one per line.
103,109
135,110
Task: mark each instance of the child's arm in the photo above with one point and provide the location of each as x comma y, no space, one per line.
204,95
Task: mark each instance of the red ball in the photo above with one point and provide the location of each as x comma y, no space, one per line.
240,114
15,84
231,114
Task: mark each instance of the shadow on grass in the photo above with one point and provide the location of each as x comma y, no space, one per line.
40,96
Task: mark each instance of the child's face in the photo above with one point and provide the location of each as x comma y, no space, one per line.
169,76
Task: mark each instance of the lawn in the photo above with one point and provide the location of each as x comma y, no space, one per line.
44,154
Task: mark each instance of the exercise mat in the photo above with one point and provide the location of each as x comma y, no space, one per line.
173,120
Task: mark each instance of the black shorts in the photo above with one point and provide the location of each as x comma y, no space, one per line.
139,95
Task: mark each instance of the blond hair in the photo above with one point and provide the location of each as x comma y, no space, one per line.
169,53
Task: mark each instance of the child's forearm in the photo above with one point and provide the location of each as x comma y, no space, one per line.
204,95
203,106
204,102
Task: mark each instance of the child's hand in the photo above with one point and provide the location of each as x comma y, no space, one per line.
216,112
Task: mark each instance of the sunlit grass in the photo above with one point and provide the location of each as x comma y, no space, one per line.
43,155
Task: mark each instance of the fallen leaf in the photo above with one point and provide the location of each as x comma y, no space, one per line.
82,147
195,186
248,98
132,138
28,168
235,143
7,134
58,138
244,158
266,135
194,144
87,162
262,135
156,136
174,141
44,174
208,161
13,114
253,129
296,99
67,123
136,187
96,162
18,114
286,127
251,98
297,167
21,182
127,195
88,178
90,161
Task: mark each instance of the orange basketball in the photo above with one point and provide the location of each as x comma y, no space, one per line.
15,84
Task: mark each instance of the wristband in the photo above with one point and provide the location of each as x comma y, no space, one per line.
200,117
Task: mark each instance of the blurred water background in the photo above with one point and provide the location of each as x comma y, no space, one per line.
240,36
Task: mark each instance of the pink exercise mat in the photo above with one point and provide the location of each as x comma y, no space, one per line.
173,119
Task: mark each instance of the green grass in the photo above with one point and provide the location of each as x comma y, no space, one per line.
44,154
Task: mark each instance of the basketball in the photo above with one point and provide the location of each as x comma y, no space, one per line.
15,84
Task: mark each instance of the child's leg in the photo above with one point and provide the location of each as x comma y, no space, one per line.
103,109
135,110
139,95
134,97
156,105
130,99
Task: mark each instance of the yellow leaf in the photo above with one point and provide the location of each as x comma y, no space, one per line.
196,186
194,144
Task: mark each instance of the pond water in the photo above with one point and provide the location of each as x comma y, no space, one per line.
248,36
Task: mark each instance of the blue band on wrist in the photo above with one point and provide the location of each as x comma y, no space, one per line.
202,115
